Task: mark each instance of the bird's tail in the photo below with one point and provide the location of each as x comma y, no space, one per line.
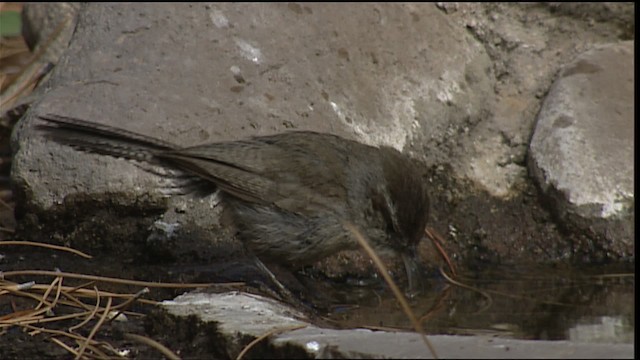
102,139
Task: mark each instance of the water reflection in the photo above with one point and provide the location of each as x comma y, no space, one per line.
603,329
542,303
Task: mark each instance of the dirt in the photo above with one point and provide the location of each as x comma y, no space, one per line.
187,337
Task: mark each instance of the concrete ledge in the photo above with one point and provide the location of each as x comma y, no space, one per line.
239,315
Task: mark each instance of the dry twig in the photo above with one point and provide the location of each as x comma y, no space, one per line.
266,335
394,288
154,344
48,246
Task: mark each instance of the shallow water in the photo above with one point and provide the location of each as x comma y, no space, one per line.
542,303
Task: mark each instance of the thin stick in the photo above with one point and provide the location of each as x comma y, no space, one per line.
114,280
487,293
437,304
95,328
93,313
394,288
266,335
84,293
93,344
14,314
97,351
483,293
44,301
7,230
154,344
4,203
48,246
386,328
122,307
437,241
76,301
11,286
42,70
56,332
28,316
42,320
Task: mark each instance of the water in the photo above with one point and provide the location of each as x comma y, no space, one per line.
541,303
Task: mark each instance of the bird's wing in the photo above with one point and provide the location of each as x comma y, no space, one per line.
297,172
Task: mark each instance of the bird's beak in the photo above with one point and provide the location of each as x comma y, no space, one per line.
411,266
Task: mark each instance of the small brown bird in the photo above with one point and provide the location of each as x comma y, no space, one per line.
290,194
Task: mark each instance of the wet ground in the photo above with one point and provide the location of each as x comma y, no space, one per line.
543,303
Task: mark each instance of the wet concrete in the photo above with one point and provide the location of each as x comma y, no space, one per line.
240,316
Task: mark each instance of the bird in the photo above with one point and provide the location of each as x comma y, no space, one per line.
289,194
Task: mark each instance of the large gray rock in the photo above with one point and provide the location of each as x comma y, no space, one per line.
581,152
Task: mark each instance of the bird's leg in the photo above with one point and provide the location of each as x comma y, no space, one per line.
284,293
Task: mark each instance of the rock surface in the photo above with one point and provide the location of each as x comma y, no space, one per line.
581,152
